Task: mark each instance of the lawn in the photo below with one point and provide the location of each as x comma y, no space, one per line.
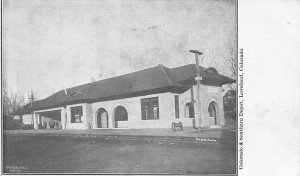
62,154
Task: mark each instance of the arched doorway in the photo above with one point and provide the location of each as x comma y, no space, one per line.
190,113
120,115
189,110
212,110
102,118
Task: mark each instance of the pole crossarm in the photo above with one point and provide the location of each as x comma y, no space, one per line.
196,52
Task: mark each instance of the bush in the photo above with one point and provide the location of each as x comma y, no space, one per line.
40,126
12,124
27,127
230,115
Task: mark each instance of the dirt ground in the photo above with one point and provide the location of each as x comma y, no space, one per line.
63,154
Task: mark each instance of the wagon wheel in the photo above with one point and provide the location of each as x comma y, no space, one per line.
181,126
173,127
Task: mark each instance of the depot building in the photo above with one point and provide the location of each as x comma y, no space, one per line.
151,98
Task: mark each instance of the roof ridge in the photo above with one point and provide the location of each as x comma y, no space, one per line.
188,65
87,90
86,84
165,73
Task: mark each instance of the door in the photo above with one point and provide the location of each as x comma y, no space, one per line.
189,110
102,118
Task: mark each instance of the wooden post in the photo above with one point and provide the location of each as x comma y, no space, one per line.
31,99
198,78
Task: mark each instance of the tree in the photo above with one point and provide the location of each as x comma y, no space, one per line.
5,102
228,55
12,102
227,64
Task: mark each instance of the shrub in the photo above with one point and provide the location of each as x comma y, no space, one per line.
230,115
12,124
27,127
40,126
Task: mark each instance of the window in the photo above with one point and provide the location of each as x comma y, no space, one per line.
176,106
150,108
121,114
76,114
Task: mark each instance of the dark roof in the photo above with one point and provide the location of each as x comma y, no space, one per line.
27,108
186,75
152,80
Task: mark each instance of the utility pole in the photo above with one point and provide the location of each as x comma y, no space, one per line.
198,78
31,99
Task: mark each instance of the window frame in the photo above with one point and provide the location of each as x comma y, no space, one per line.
176,101
73,116
151,102
115,114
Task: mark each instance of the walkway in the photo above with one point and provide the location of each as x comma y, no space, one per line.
222,134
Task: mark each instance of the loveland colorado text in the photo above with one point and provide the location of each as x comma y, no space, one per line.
241,109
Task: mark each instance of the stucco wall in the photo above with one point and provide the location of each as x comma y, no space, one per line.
89,115
27,119
207,95
166,110
83,124
133,107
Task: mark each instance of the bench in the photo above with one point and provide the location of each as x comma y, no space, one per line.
177,125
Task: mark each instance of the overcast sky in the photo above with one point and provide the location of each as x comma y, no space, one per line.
49,45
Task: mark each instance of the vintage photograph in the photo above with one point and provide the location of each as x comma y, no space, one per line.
119,87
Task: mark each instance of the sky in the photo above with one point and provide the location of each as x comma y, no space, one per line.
50,45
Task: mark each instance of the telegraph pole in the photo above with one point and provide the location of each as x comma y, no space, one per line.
31,98
198,78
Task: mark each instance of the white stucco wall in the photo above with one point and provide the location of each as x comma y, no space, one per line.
166,109
89,115
27,119
133,107
83,124
207,95
17,117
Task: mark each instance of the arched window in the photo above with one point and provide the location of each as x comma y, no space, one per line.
212,110
121,114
